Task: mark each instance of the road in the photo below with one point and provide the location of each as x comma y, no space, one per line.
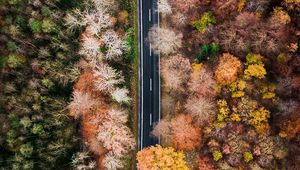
149,76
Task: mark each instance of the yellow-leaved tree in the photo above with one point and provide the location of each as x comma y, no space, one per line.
159,158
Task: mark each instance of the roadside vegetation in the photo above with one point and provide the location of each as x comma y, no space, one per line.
230,85
68,84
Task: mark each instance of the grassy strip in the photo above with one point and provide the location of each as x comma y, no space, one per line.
134,79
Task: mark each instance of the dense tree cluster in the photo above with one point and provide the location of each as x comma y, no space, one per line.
242,86
100,97
49,48
38,68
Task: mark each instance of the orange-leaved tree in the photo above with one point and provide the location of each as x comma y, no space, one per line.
180,132
227,69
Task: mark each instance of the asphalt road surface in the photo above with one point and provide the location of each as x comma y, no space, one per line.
149,78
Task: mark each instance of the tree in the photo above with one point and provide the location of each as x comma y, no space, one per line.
98,21
105,5
227,69
164,7
81,104
178,19
202,82
115,135
179,131
204,163
112,162
185,136
175,71
207,19
184,6
160,158
280,17
164,41
121,95
113,44
201,109
90,46
163,129
106,78
83,161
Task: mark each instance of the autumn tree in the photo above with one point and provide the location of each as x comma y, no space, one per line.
164,41
175,71
184,6
185,135
164,7
227,69
179,131
81,104
115,135
204,163
106,78
157,157
202,81
201,109
114,45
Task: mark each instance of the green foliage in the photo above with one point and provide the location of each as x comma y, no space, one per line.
13,2
25,122
26,150
46,11
37,129
15,61
47,83
11,46
207,51
206,19
36,26
48,26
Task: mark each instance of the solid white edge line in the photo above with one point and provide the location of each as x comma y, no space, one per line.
150,15
159,91
150,48
142,72
150,119
150,84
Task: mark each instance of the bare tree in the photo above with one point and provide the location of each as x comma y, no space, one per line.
201,109
81,104
114,45
121,95
175,71
106,78
164,41
164,7
202,82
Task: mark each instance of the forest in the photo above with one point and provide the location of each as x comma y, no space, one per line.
230,85
230,90
67,68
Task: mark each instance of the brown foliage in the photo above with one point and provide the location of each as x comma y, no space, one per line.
291,127
248,31
225,8
202,82
184,6
227,69
205,163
